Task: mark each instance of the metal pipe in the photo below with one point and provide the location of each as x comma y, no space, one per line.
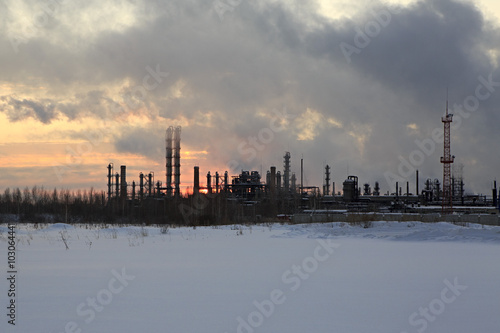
226,179
150,184
123,180
216,182
141,186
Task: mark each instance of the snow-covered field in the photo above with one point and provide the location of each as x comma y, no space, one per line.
393,277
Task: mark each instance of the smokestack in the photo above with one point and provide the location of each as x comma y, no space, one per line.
168,141
177,160
196,187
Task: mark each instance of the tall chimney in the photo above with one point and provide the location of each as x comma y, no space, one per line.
177,160
168,141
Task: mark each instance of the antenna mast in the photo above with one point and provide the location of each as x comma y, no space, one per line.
447,160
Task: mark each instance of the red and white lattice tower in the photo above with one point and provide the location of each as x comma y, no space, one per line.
447,160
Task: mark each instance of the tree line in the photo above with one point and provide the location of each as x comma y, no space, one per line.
37,203
40,205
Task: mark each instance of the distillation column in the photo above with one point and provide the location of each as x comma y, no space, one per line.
286,172
327,180
110,180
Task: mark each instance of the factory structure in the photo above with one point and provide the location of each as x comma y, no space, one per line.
248,196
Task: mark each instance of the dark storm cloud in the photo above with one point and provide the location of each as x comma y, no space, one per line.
422,49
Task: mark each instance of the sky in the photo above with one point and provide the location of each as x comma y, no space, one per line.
360,86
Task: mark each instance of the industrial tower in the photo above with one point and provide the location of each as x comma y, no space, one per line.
173,154
447,160
168,140
286,172
177,160
326,189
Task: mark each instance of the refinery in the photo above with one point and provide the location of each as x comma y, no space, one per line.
280,194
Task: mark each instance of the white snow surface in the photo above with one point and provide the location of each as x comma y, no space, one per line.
332,277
